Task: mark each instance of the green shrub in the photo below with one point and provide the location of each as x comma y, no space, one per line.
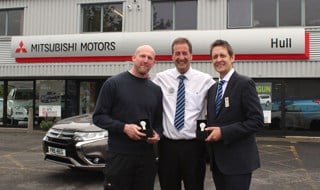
46,124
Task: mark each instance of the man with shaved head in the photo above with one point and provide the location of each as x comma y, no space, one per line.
124,100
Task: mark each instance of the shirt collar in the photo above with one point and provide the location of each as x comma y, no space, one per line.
228,75
186,74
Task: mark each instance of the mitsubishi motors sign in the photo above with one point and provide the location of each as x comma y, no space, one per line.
248,44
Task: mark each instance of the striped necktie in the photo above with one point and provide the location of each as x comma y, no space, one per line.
219,96
179,117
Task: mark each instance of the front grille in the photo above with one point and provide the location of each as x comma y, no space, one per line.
60,136
62,139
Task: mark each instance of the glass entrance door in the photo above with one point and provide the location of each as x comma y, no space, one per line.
19,102
1,102
88,94
278,105
295,104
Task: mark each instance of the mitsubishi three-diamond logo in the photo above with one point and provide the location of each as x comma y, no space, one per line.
21,48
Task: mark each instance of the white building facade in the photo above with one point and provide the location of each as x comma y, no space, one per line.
69,48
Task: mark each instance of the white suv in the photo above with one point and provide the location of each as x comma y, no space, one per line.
265,99
18,104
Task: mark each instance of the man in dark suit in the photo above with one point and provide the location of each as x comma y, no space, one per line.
232,123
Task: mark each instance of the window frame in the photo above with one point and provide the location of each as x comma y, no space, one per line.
228,16
101,8
7,21
173,4
304,15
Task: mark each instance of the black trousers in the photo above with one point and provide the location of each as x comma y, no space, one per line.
129,172
230,182
181,161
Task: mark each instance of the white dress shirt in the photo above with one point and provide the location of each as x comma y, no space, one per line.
226,79
197,85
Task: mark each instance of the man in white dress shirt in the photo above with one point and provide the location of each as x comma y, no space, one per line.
181,156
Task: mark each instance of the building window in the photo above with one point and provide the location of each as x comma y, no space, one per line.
50,98
312,12
273,13
11,22
19,102
174,15
265,13
102,17
290,12
239,13
294,103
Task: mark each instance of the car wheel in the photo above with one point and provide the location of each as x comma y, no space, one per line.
14,122
275,123
315,125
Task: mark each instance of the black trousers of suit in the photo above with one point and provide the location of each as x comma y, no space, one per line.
229,182
181,161
129,172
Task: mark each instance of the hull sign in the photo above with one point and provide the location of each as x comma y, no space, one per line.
248,44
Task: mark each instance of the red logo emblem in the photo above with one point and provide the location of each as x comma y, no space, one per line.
21,49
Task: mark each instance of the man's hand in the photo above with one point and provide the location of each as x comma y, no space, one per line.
133,131
154,139
215,134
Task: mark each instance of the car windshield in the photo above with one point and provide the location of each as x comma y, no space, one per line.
24,95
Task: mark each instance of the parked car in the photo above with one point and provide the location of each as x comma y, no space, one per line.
77,143
18,103
265,99
300,114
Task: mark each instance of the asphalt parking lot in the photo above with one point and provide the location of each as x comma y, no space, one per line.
287,164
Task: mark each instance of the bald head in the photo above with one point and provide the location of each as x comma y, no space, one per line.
146,48
143,60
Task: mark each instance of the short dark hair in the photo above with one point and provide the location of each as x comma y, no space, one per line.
224,44
181,40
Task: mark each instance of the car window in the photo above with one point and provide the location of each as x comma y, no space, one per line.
23,95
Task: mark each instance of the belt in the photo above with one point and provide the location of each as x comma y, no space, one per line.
177,140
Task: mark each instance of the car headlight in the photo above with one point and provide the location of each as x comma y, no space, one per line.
85,136
18,107
50,131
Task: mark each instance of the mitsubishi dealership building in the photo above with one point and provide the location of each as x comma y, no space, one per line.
56,54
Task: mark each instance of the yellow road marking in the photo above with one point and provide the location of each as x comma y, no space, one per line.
308,176
16,162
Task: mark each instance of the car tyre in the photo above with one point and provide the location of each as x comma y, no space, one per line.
275,123
315,125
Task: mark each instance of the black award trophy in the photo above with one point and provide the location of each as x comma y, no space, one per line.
201,133
146,127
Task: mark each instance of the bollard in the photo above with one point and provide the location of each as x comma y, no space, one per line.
30,119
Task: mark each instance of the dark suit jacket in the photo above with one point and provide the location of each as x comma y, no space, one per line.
237,152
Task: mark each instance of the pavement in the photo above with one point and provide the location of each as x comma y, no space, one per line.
288,162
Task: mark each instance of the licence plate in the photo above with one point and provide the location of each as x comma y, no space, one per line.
56,151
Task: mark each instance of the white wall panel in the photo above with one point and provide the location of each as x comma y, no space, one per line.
315,45
5,51
138,15
212,14
280,69
46,17
62,69
13,3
